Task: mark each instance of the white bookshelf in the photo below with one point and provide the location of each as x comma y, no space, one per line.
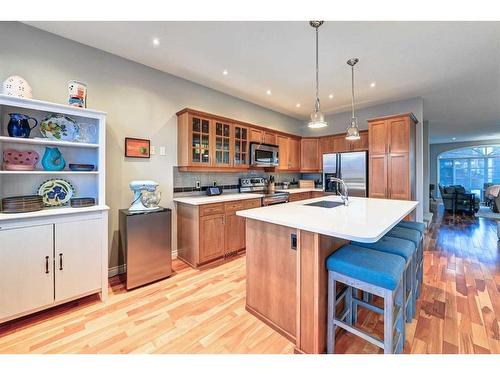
61,252
86,183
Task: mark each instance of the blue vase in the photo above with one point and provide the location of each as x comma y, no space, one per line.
19,126
53,160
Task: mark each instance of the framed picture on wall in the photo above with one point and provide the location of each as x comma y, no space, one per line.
137,148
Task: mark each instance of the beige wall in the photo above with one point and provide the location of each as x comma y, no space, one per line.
140,101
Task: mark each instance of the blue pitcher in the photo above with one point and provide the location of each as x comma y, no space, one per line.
19,126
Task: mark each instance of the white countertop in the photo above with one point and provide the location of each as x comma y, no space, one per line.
363,220
298,190
197,200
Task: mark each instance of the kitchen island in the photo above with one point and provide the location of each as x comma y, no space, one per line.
287,245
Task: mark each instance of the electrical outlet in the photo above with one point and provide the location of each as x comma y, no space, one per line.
197,184
163,151
214,183
152,150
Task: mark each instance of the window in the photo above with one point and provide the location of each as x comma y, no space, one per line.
470,167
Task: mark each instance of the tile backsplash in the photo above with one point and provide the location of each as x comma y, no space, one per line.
185,182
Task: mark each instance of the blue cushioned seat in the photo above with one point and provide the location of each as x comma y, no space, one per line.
391,245
406,234
415,225
373,267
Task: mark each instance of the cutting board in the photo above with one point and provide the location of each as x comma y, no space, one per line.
306,184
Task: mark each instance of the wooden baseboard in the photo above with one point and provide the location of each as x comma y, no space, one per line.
278,329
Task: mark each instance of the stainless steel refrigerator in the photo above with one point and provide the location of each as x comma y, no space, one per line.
352,167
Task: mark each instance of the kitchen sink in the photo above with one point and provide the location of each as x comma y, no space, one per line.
325,204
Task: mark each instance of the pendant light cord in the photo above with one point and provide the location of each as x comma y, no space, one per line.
317,72
352,89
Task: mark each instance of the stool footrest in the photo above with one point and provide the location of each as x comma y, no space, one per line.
359,333
366,305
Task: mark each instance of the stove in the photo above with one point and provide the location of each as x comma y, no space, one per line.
259,185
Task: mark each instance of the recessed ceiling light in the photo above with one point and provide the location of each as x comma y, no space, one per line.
268,92
330,96
156,42
454,139
225,72
297,105
373,84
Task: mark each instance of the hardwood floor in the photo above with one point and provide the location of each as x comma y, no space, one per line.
204,311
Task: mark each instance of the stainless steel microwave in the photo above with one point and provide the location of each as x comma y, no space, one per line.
263,155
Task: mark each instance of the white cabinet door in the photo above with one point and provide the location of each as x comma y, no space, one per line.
77,253
26,269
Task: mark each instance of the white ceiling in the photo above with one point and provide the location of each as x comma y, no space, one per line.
454,66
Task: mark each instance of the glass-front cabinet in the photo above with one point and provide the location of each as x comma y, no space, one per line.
222,149
200,141
240,146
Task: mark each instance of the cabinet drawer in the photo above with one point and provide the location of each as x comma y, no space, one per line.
212,209
242,205
299,196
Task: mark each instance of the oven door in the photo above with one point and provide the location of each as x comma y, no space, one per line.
264,155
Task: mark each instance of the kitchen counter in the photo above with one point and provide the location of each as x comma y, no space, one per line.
204,199
299,190
286,250
364,219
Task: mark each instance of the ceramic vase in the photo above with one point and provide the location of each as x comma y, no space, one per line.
53,160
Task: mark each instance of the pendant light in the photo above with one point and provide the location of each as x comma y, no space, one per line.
317,117
352,130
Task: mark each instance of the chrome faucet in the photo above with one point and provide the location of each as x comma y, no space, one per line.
345,196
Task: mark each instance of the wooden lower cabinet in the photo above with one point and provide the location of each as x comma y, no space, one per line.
211,237
210,232
378,176
398,177
293,197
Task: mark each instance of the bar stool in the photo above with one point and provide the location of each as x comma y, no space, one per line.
407,250
416,237
373,272
416,225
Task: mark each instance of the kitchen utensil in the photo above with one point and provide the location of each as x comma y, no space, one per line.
59,127
56,192
24,203
286,184
82,167
151,199
82,202
14,160
19,126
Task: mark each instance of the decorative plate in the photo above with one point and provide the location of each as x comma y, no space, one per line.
56,192
59,127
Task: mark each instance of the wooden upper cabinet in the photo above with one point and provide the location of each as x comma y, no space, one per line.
361,144
263,136
222,149
294,154
284,154
309,154
241,143
340,144
377,135
256,135
326,145
270,138
392,157
398,130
